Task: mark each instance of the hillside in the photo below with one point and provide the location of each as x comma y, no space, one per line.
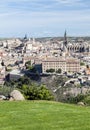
43,115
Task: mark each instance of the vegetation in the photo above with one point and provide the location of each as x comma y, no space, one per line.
60,81
18,84
36,93
53,70
28,65
87,66
86,100
50,70
4,90
79,98
33,70
82,63
23,80
30,89
75,99
8,70
59,71
36,115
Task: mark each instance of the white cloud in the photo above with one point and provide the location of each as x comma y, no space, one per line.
69,1
74,3
43,18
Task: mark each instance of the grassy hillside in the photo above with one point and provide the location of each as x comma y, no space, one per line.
42,115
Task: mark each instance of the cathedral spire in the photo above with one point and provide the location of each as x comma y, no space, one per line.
65,38
25,37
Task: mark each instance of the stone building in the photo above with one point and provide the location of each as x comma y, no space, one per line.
79,46
2,73
65,64
72,65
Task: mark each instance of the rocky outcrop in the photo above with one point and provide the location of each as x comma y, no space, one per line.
2,97
81,103
16,95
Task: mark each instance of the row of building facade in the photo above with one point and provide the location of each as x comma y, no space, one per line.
65,64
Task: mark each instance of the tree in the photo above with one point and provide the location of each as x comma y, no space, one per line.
28,65
24,80
82,63
59,71
28,62
50,70
87,66
44,93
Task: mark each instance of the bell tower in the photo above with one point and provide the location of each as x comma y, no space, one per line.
65,38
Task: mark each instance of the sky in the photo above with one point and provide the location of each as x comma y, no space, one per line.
44,18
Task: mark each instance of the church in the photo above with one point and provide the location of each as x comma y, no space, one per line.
76,47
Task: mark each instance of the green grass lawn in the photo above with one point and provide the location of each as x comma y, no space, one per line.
42,115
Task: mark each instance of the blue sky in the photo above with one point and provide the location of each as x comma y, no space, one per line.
38,18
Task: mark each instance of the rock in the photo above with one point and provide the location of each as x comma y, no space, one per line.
2,97
81,103
16,95
11,99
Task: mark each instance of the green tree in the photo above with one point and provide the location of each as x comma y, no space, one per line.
28,65
59,71
36,92
87,66
50,70
82,63
44,93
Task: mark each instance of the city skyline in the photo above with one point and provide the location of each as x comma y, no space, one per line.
39,18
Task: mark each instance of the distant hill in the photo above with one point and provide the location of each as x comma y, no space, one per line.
43,39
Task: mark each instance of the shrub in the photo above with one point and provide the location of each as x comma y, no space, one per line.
36,92
87,100
23,80
59,71
82,63
28,65
69,98
4,90
50,70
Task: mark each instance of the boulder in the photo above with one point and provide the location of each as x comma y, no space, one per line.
81,103
16,96
2,97
11,99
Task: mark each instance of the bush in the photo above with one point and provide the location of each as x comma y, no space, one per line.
78,98
28,65
4,90
36,93
50,70
44,93
82,63
87,100
59,71
18,83
69,98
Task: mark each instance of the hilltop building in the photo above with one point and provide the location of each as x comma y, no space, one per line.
79,46
65,64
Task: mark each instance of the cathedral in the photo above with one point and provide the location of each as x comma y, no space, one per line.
76,47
